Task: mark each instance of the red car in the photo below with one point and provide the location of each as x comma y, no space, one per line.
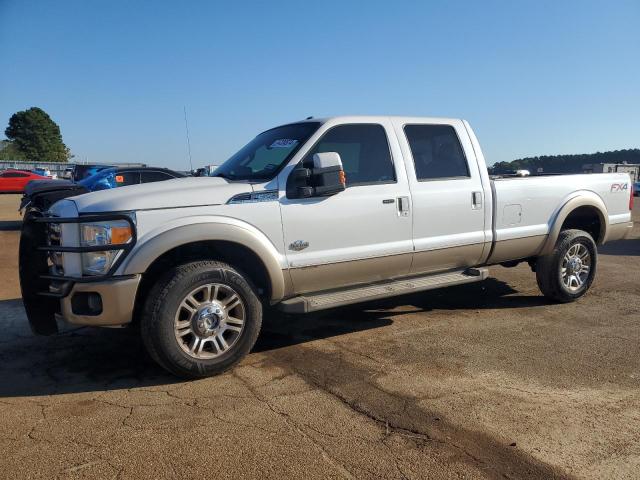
14,181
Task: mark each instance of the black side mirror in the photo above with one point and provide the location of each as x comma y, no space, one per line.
325,178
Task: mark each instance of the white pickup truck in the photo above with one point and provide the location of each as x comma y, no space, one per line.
308,216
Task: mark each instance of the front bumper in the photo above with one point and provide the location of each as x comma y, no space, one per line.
117,297
105,300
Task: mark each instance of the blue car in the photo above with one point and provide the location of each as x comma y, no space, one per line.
82,171
636,189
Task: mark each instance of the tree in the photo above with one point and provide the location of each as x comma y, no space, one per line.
8,151
565,163
36,136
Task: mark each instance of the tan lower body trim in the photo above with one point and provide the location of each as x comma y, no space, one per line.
517,248
342,274
446,258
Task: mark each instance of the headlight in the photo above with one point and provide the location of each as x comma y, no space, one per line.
103,233
55,239
106,233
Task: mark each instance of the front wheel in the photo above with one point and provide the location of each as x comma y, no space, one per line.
200,319
567,273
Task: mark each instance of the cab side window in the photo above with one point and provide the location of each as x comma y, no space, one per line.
364,150
437,152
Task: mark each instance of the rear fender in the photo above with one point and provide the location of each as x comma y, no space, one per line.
576,200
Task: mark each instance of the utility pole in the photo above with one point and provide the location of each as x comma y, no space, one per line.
186,126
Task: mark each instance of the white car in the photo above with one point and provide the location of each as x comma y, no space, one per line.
68,173
308,216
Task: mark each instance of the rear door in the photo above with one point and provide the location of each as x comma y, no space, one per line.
358,235
447,194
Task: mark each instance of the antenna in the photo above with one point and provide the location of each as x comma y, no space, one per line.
186,126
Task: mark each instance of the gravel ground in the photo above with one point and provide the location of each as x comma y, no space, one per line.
487,380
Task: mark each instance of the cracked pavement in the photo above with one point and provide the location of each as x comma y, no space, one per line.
480,381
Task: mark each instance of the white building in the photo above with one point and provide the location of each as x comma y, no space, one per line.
632,169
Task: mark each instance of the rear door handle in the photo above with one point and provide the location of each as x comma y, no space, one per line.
476,200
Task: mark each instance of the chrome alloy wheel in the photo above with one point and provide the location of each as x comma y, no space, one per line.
576,267
209,321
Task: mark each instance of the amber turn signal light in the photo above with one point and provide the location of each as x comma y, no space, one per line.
120,235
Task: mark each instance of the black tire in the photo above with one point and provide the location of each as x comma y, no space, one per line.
164,300
549,267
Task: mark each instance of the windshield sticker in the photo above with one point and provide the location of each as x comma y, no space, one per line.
283,143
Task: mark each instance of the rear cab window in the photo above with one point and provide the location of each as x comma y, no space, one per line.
437,152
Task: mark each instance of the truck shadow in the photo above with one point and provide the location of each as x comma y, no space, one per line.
10,225
488,294
285,330
629,248
87,360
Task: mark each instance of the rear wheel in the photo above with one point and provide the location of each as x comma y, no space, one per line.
567,273
200,319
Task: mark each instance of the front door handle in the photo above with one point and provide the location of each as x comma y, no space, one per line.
403,206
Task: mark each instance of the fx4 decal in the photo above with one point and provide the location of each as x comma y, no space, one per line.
619,187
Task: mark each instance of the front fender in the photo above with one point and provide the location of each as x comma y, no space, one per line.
203,228
577,199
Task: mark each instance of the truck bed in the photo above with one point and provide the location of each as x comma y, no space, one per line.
525,208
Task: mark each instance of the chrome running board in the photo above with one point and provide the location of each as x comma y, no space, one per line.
364,293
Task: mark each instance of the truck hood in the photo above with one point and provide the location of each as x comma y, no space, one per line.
179,192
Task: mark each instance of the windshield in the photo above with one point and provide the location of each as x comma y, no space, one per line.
263,156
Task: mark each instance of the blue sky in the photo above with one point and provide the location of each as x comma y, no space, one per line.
532,77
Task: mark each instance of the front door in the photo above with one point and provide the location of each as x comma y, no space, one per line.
358,235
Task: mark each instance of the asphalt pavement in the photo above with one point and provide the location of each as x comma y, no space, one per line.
487,380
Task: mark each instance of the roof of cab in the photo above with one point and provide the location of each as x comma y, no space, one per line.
370,119
377,118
